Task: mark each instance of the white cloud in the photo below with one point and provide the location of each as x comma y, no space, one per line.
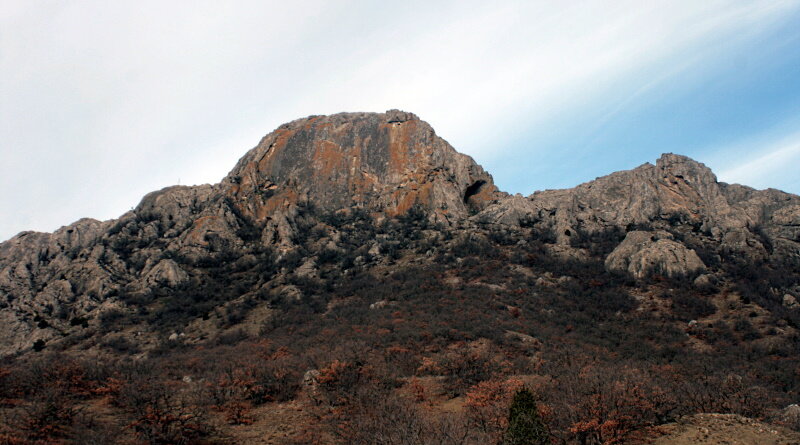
762,164
102,102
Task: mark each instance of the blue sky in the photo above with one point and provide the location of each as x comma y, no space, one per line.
732,102
102,102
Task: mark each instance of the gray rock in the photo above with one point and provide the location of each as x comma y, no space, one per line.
379,304
310,378
676,188
704,281
644,254
307,269
790,416
291,293
166,272
389,161
385,163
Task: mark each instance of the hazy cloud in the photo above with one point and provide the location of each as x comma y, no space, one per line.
763,164
102,102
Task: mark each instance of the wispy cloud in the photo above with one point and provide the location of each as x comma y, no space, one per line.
763,163
102,102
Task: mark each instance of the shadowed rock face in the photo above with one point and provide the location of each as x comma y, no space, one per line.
389,161
385,163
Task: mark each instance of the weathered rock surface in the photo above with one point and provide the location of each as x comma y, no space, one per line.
674,190
704,282
730,429
642,254
166,273
389,162
383,164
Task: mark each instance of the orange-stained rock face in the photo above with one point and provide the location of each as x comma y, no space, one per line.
385,161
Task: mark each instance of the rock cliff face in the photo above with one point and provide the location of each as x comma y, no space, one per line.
387,162
383,164
675,191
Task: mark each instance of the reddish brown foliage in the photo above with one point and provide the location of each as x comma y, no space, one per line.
487,405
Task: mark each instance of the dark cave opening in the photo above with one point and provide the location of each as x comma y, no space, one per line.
473,190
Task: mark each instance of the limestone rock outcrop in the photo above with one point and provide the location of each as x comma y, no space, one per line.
167,273
382,161
676,190
385,163
382,164
643,254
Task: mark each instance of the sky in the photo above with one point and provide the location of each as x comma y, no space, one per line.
102,102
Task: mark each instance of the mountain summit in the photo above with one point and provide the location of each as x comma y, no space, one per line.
355,278
384,165
389,161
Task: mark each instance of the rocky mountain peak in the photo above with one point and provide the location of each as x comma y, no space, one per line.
383,161
686,167
361,247
677,190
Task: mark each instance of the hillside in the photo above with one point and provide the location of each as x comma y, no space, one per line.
355,279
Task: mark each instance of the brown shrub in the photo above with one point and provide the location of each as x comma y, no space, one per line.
487,405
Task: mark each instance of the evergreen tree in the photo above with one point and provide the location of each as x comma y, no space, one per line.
525,425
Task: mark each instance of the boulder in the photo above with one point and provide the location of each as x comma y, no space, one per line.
166,272
705,282
642,254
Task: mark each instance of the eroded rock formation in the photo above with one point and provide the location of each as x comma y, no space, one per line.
676,190
383,164
642,254
388,162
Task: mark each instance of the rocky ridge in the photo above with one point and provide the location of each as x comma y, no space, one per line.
387,165
676,190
